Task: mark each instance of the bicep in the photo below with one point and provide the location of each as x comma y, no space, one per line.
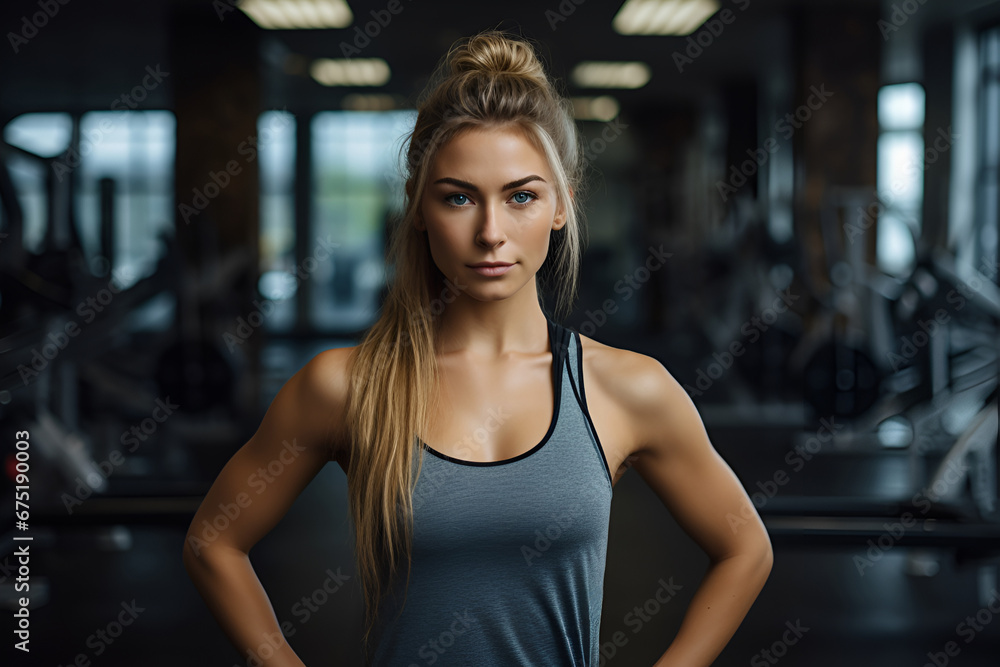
676,458
263,478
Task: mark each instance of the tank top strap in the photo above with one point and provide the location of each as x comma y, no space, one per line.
560,339
574,365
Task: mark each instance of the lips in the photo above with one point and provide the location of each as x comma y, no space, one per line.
489,264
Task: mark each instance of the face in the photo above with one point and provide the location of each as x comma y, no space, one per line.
489,197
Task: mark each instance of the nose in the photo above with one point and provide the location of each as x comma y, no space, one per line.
490,233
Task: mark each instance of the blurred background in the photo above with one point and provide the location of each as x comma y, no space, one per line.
193,202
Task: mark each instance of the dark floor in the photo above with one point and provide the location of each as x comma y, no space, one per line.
884,618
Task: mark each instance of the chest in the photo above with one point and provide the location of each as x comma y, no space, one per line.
491,413
499,413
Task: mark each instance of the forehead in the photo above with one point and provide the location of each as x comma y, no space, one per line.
489,156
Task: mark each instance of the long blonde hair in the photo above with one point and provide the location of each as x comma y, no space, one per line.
488,80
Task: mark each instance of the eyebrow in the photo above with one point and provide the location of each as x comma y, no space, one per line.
509,186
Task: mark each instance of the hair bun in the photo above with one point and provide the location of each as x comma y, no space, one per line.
494,52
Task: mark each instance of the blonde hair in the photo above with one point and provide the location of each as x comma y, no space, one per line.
489,80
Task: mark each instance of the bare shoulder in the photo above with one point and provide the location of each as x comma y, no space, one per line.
640,387
324,386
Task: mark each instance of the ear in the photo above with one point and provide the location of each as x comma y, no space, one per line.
559,221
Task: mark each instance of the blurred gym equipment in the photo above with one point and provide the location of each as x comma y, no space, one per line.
79,348
917,379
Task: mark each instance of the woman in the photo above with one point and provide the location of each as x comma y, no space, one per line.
435,416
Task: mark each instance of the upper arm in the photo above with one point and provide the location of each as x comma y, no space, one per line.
297,436
674,456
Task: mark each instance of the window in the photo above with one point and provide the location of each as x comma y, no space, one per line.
134,149
354,191
46,135
900,175
276,151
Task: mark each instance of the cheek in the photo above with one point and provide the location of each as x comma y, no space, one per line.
443,240
538,223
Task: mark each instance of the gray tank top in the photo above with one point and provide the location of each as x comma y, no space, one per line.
508,556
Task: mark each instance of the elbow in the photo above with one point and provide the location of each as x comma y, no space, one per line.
767,558
199,559
193,555
765,561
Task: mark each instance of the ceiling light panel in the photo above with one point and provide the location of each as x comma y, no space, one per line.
594,74
298,14
350,71
663,17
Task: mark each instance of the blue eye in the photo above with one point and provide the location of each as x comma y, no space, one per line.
465,198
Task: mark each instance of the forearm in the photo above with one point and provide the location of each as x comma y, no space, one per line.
720,604
233,593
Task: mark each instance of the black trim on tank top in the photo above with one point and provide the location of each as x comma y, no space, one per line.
557,344
581,397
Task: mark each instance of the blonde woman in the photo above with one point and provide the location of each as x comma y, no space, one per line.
482,440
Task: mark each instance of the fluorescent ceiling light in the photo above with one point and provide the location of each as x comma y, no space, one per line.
594,74
291,14
350,71
603,108
662,17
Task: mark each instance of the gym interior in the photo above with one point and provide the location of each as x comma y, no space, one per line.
793,205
